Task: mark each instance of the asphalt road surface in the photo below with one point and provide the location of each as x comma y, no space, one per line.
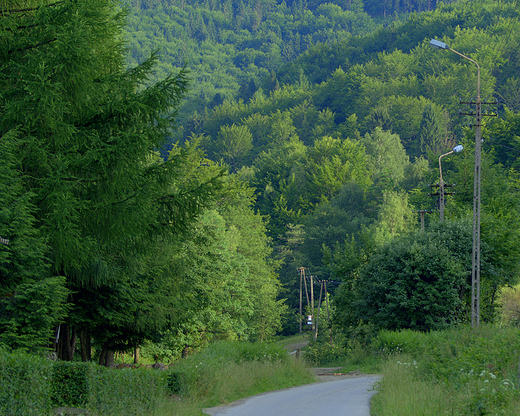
344,397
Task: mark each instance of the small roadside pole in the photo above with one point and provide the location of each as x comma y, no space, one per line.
422,212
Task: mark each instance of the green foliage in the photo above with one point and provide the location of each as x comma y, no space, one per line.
505,139
387,157
417,281
430,132
395,217
228,287
24,257
325,354
82,139
26,388
233,145
28,317
196,374
231,46
70,384
509,301
475,368
126,391
406,341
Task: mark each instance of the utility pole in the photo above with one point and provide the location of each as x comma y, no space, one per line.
328,314
441,193
318,314
475,252
422,212
302,278
475,256
312,301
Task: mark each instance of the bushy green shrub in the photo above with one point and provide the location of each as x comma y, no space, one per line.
325,353
70,384
237,351
176,382
25,387
27,319
403,341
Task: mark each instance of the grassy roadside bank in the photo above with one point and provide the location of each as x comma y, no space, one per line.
455,372
222,373
229,371
459,371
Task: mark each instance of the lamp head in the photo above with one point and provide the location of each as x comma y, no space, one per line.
434,43
458,148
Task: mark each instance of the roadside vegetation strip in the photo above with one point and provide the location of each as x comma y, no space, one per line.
222,373
458,371
229,371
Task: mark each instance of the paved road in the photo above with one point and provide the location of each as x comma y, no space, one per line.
344,397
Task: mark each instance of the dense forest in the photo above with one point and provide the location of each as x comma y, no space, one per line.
170,168
339,131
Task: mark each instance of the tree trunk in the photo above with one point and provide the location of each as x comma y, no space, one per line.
185,351
67,342
84,340
107,357
102,356
109,360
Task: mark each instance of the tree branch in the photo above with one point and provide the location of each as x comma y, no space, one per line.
4,12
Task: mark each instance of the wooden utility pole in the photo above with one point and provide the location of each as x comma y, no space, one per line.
312,301
328,313
318,314
422,212
302,278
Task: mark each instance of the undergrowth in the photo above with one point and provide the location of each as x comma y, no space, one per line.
461,371
223,372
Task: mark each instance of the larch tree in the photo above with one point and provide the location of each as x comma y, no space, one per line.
86,134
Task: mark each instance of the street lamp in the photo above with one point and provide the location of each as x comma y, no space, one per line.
475,257
456,149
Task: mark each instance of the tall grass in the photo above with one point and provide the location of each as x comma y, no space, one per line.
456,372
228,371
401,393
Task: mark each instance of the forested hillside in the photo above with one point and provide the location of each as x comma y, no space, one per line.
337,117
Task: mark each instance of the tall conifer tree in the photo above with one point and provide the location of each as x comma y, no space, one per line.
86,131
